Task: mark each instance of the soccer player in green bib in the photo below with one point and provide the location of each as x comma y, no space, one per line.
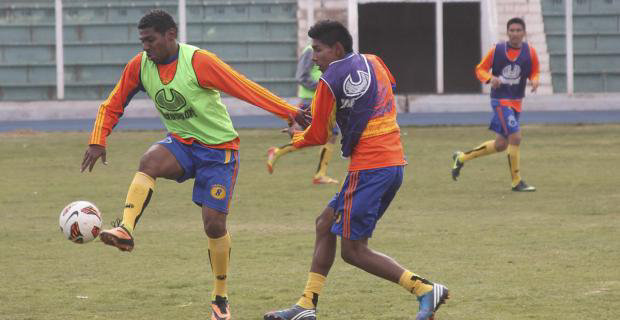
184,83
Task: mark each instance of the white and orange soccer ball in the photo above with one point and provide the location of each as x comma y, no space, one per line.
80,221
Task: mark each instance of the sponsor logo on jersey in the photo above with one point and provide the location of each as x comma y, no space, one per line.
189,113
354,89
511,74
175,103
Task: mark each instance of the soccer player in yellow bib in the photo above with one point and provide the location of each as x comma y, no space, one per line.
307,76
184,83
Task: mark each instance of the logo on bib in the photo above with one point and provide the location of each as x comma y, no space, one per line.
511,74
357,88
218,191
176,103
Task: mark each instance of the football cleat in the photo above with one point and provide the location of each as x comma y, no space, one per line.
324,180
431,301
523,187
117,237
294,313
271,162
457,164
220,310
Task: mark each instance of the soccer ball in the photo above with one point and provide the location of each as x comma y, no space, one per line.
80,221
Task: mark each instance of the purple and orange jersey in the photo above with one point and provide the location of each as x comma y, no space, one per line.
509,55
211,72
356,92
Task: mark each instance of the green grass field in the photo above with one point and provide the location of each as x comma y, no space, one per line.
552,254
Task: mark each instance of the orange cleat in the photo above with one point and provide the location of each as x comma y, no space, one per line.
324,180
220,310
117,237
271,162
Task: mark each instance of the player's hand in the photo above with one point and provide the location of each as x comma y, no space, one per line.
303,118
495,82
293,127
535,84
91,155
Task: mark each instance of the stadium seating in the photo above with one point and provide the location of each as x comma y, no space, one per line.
258,38
596,43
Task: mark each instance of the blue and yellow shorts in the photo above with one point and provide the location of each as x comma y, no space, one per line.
364,197
214,172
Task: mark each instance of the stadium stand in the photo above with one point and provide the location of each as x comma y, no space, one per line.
258,38
596,43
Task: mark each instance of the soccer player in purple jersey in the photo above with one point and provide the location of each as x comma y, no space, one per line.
511,63
355,91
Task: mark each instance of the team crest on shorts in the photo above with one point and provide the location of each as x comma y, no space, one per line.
512,122
337,216
218,191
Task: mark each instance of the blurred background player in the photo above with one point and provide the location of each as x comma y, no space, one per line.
307,76
356,92
511,64
184,83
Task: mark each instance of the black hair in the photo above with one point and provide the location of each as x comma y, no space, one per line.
329,32
515,20
158,19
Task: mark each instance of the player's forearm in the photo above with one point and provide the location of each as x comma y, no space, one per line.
104,123
312,136
483,68
483,76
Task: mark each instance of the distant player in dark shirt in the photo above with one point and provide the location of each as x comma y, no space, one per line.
511,64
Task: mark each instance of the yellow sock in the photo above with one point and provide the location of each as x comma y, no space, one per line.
325,156
513,163
282,151
486,148
219,257
138,198
310,298
414,283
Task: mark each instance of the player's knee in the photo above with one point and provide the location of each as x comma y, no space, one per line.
215,229
349,255
501,145
514,140
322,224
149,165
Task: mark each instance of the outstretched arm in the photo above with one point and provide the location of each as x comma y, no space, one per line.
110,112
214,73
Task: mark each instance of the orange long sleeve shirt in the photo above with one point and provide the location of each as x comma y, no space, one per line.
211,72
380,144
483,72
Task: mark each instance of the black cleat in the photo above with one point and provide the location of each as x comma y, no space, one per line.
523,187
457,164
294,313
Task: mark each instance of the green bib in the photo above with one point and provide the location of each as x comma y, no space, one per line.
186,108
315,74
